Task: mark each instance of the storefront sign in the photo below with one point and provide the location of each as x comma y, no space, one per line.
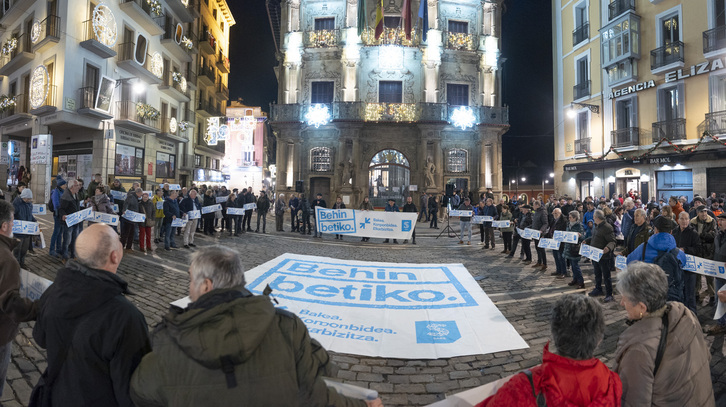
695,70
129,137
659,160
632,89
166,146
40,149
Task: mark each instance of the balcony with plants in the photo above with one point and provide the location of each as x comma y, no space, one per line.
321,38
390,36
147,13
137,116
15,53
175,85
174,42
14,109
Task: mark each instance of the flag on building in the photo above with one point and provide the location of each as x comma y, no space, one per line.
423,13
362,20
406,18
379,18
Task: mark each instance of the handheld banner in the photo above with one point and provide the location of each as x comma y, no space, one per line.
178,222
39,209
106,218
132,216
21,227
250,206
488,218
704,266
174,187
194,215
32,286
621,262
520,232
409,311
455,212
545,243
566,237
590,252
501,224
160,205
78,217
221,199
388,225
211,208
477,220
235,211
115,208
531,233
118,195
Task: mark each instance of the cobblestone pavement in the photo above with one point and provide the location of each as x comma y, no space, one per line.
525,298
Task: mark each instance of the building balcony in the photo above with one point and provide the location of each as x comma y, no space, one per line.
17,113
460,41
50,31
714,40
390,36
140,11
129,116
167,133
206,75
174,89
15,11
667,55
618,7
88,104
48,104
222,62
672,130
186,10
207,43
627,137
206,109
191,79
18,57
581,90
96,43
715,123
175,48
580,34
321,38
222,91
127,59
189,116
582,145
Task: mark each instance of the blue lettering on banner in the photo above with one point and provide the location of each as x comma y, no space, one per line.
338,222
365,222
39,209
405,225
160,205
235,211
621,262
437,332
354,286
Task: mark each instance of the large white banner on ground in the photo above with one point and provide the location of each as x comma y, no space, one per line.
410,311
388,225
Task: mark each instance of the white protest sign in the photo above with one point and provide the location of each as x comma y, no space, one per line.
132,216
118,195
115,208
221,199
472,397
194,215
477,220
520,232
545,243
501,224
409,311
531,233
160,205
107,218
566,237
39,209
621,262
704,266
21,227
488,218
250,206
174,187
178,222
590,252
211,208
32,286
388,225
78,217
455,212
235,211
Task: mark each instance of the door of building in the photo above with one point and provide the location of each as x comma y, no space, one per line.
320,185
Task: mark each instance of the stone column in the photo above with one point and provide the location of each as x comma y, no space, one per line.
281,165
294,154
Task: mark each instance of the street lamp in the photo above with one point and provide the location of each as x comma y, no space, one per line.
546,181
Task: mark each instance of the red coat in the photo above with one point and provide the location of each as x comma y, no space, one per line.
564,382
677,210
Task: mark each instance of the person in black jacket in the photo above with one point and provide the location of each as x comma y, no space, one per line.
250,198
337,205
304,209
94,336
434,211
240,203
209,200
560,223
688,241
321,203
263,206
69,205
409,206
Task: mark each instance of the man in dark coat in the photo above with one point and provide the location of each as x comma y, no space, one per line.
319,201
240,203
294,204
409,206
688,241
69,205
250,198
94,336
263,206
603,237
540,222
488,210
171,212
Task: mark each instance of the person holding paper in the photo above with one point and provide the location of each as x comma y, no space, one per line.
23,206
128,227
146,206
340,205
719,254
294,204
56,239
409,206
171,213
485,229
319,201
209,200
100,202
638,232
116,186
560,223
653,373
688,242
705,225
540,221
68,206
504,215
603,238
572,376
232,220
571,251
280,208
465,221
263,206
523,221
158,202
188,204
304,213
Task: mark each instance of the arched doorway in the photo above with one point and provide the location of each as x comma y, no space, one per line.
389,176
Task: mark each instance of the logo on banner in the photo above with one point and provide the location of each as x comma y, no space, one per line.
437,332
365,222
721,270
406,225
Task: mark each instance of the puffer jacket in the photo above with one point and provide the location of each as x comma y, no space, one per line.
272,362
684,375
660,242
101,203
707,232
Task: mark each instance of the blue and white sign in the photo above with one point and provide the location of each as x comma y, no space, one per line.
388,225
704,266
250,206
409,311
545,243
119,195
178,222
590,252
21,227
221,199
174,187
115,208
235,211
211,208
456,213
132,216
566,237
194,215
107,218
39,209
477,220
501,224
160,205
621,262
531,233
32,286
78,217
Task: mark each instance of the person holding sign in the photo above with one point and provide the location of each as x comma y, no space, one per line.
263,206
120,190
209,200
68,206
188,205
486,230
571,251
171,213
23,206
100,202
146,207
465,221
56,239
410,207
540,221
506,232
128,227
603,237
158,202
560,223
390,207
688,242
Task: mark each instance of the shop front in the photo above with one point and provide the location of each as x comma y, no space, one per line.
129,155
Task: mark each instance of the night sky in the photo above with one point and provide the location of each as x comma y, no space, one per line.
527,77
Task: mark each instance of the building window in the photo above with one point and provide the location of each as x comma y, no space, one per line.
719,10
458,27
390,92
583,126
670,30
670,48
197,160
320,159
621,40
622,71
457,95
208,162
321,92
718,93
626,113
324,23
670,103
674,183
582,74
582,25
456,160
214,14
391,22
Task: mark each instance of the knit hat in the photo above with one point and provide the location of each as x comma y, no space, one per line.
701,208
60,181
26,194
663,224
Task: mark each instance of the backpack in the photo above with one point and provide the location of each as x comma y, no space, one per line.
668,261
50,201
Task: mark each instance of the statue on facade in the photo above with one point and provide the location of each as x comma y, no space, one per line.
430,171
346,173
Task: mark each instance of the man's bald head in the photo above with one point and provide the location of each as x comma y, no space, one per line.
98,247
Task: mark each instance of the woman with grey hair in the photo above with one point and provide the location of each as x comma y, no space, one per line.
571,375
571,251
661,357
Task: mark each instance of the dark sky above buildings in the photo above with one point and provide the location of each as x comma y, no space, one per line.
527,77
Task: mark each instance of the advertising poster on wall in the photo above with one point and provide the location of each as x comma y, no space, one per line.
129,160
165,165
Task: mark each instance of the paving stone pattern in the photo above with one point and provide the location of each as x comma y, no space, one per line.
524,297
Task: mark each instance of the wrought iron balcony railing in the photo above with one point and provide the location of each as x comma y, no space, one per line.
714,39
715,123
321,38
666,55
581,33
627,137
618,7
582,145
581,90
669,129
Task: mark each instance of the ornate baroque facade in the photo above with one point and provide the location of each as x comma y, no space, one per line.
389,130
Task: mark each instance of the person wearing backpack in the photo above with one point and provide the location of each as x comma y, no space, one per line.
661,249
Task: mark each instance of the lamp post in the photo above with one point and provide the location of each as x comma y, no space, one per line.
509,189
546,181
523,180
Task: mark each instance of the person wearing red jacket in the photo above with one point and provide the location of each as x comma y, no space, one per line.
572,376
